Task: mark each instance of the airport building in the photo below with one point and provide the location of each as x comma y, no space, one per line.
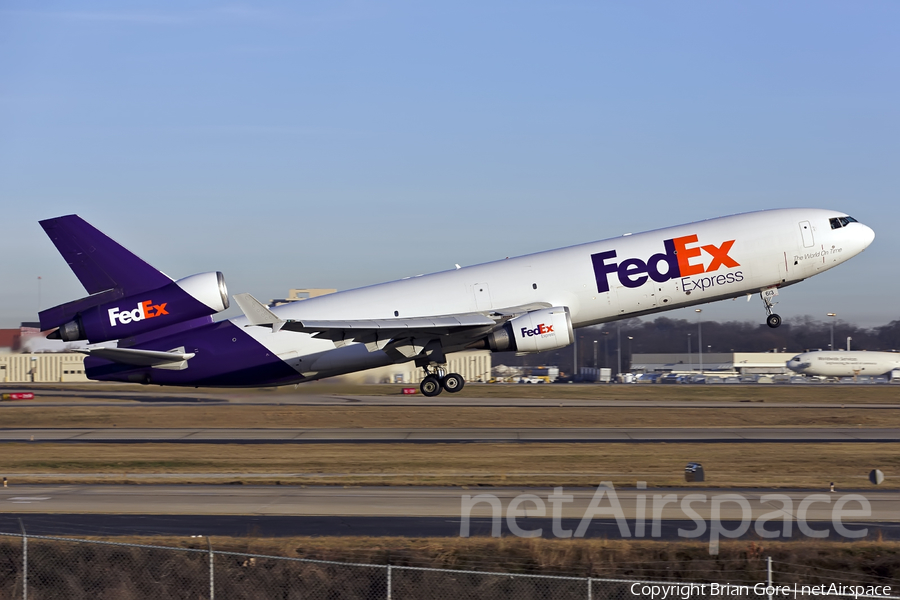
298,294
68,367
55,367
720,363
473,365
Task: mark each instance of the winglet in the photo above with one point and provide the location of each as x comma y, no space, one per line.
257,312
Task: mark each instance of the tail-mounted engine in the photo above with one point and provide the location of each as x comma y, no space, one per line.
189,298
536,331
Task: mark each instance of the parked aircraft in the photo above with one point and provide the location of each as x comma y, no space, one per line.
144,327
845,363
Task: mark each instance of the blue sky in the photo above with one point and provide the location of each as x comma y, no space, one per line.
339,144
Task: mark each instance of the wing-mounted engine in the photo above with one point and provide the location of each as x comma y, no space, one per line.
535,331
111,319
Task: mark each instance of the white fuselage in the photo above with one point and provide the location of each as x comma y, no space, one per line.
844,363
649,272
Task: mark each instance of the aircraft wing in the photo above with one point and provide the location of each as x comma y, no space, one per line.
173,359
378,332
441,325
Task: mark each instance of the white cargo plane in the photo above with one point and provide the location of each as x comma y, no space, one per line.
165,334
845,363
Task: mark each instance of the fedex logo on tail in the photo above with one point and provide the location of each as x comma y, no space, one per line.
539,330
683,257
144,310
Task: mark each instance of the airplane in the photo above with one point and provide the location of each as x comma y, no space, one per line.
142,326
844,363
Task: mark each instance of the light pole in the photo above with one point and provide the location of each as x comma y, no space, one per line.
575,358
619,346
596,342
831,345
630,355
690,354
700,337
606,349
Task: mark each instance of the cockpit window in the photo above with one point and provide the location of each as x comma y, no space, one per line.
838,222
796,358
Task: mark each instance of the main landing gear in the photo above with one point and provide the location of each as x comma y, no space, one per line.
436,381
772,320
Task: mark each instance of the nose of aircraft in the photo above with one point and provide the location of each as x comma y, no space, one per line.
797,365
866,235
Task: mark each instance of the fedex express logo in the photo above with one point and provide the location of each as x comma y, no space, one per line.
683,257
539,330
144,310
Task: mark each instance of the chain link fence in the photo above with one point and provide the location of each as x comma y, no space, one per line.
57,568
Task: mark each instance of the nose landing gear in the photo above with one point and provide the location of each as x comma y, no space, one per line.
436,381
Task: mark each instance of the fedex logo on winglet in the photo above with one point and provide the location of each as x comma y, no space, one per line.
144,310
683,257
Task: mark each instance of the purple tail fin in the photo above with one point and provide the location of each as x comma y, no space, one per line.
103,266
99,262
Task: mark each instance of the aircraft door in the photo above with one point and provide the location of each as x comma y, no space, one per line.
482,296
807,233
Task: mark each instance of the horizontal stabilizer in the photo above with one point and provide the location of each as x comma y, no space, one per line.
257,313
173,359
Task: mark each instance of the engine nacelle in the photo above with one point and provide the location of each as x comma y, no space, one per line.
189,298
536,331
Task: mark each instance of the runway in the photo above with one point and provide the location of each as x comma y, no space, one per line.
61,397
389,501
123,435
288,510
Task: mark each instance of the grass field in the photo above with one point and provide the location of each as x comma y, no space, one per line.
838,394
807,562
739,465
291,416
726,465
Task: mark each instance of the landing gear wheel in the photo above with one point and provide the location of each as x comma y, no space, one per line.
773,320
453,382
431,386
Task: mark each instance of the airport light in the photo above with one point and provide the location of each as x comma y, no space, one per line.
831,345
575,358
700,337
596,344
606,349
619,345
690,354
630,355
